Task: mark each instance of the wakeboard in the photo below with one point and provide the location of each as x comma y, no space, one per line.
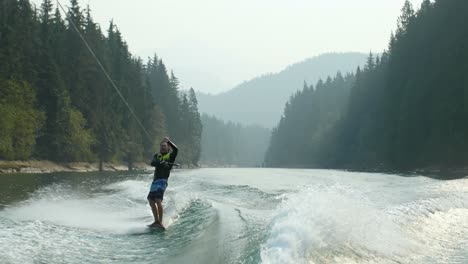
156,227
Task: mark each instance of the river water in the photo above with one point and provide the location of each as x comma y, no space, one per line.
234,216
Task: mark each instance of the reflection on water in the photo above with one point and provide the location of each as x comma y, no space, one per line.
21,186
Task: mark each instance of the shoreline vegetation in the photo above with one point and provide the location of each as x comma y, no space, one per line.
404,111
57,104
45,166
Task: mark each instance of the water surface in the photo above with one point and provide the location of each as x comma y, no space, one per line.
234,216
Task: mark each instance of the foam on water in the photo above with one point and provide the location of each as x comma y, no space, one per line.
122,209
339,224
320,223
336,217
107,212
64,224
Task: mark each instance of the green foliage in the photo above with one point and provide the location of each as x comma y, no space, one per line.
407,109
20,121
195,126
309,117
81,116
232,144
72,141
157,129
190,127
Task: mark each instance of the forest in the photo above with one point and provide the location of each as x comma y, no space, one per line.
407,108
57,104
226,143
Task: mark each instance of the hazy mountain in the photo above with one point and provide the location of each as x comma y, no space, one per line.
262,99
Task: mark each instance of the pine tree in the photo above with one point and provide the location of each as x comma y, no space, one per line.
406,18
370,64
195,127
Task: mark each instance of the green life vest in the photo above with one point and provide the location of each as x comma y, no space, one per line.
164,157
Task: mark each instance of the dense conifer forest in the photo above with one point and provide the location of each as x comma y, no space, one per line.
406,109
57,104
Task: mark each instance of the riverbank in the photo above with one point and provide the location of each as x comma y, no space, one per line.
44,166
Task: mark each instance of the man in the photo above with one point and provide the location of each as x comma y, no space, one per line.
163,162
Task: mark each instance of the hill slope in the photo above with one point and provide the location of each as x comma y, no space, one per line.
261,100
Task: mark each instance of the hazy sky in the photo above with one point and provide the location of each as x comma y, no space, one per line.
213,45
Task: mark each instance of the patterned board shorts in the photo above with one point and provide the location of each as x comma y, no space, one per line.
158,187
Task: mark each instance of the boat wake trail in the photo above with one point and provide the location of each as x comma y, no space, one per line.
340,224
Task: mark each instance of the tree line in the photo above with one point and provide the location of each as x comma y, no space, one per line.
406,109
57,104
226,143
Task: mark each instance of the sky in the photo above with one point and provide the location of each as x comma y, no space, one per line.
213,45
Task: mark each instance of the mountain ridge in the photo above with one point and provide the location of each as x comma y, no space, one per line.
241,104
